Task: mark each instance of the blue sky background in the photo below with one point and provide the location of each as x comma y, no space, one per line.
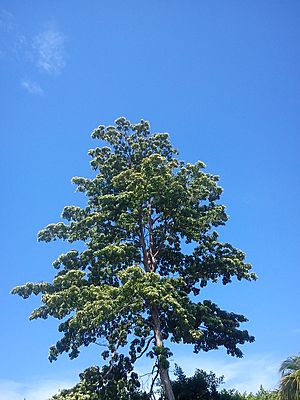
222,77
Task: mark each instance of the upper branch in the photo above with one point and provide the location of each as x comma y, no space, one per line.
142,241
151,240
146,347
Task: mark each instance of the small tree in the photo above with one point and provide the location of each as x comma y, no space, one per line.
150,249
200,386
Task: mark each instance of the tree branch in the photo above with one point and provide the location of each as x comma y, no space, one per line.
111,362
151,239
163,238
142,241
146,348
153,381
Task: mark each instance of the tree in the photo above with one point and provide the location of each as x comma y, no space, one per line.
289,388
150,249
200,386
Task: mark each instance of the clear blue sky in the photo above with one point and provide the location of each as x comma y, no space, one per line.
222,77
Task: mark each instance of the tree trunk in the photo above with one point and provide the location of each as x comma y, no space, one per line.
149,262
163,372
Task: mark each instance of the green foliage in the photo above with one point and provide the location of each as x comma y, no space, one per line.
204,386
136,282
290,365
262,394
232,395
108,384
201,386
289,388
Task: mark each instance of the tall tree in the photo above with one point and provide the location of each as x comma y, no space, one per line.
150,249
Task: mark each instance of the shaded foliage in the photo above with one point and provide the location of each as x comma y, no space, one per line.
96,384
201,386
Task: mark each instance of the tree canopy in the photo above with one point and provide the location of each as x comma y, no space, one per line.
150,248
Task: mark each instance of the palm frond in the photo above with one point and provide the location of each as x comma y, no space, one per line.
290,386
290,365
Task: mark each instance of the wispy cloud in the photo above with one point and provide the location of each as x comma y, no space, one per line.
32,87
9,38
40,391
45,50
7,22
49,51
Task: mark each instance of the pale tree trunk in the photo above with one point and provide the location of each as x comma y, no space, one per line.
149,261
163,372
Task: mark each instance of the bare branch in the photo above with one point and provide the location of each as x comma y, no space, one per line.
153,380
151,239
111,362
142,241
146,348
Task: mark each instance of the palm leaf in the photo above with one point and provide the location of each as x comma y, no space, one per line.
290,386
290,365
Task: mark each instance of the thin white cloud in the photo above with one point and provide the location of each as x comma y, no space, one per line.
32,87
49,51
7,21
44,50
13,43
8,34
11,390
